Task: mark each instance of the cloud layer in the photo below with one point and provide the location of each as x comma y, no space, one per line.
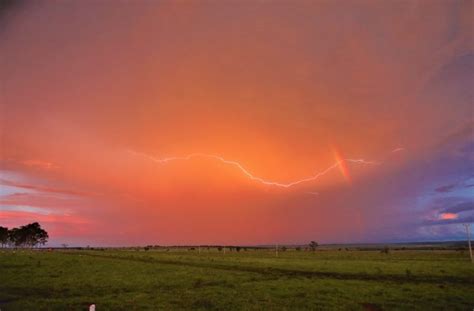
284,89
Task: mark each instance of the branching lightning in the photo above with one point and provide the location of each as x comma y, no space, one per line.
250,175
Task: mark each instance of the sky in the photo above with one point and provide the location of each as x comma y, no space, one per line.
237,122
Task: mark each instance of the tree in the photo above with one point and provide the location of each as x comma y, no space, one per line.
29,235
32,235
3,236
43,237
313,245
14,239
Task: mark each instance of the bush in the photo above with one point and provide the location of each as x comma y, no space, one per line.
385,250
313,245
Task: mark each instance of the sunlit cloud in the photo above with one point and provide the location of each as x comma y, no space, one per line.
28,209
41,188
445,216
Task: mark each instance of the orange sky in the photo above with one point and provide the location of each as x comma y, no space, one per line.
96,94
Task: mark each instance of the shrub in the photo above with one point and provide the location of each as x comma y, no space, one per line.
313,245
385,250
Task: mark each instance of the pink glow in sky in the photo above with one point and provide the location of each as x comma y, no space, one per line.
237,122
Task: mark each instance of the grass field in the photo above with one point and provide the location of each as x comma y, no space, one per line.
180,279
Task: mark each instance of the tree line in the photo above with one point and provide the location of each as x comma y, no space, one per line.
30,235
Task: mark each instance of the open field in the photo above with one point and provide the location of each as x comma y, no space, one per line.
178,279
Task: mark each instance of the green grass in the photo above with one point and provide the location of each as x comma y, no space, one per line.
248,280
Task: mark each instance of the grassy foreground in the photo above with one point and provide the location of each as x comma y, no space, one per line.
246,280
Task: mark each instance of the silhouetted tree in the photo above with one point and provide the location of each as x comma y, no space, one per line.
313,245
14,238
3,236
30,235
34,235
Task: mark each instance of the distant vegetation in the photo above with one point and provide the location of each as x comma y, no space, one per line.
30,235
313,245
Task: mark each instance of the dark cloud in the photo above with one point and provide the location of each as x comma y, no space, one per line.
461,207
447,188
459,185
7,5
468,219
7,10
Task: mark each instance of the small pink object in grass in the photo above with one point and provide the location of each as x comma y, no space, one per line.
92,307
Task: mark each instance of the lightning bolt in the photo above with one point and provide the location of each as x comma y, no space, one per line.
398,149
247,173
